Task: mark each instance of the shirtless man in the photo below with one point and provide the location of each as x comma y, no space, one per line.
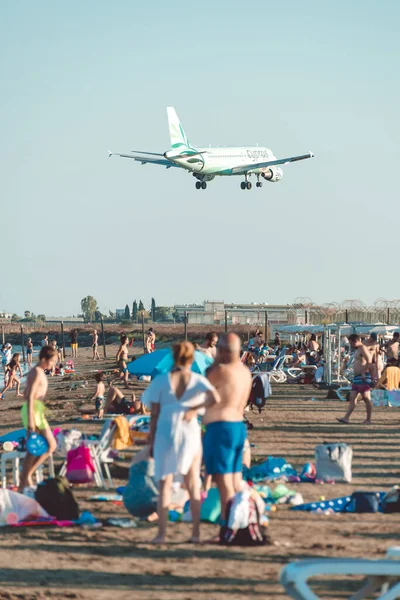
373,348
32,413
362,381
122,358
209,348
226,432
95,345
392,349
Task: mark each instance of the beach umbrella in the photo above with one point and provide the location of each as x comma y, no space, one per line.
162,361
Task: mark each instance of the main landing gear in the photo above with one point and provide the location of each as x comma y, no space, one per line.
246,185
201,185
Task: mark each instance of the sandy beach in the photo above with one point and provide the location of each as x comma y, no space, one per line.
38,563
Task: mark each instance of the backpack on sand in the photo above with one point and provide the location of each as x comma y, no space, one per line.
243,523
363,502
56,497
80,467
333,462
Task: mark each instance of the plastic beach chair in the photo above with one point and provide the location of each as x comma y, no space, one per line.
378,573
99,450
15,459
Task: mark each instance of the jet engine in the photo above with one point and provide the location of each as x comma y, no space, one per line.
272,174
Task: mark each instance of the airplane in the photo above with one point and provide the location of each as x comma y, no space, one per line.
207,163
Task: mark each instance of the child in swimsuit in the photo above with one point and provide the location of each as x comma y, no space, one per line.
12,369
98,397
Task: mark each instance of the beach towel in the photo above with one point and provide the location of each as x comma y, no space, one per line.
122,437
271,469
336,505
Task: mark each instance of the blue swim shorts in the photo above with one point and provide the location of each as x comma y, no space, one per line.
223,447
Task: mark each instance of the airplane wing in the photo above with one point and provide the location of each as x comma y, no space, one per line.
144,158
270,163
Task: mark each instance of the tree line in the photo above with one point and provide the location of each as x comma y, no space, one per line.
90,312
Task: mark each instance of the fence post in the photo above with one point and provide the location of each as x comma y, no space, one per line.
23,344
63,339
266,327
104,337
226,321
186,323
388,316
144,341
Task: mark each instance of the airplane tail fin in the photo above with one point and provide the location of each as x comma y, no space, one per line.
178,137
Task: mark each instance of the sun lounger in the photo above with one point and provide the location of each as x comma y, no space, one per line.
378,573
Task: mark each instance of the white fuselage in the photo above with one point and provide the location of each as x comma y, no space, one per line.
221,160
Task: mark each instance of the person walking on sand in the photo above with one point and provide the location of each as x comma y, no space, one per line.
175,436
95,345
225,434
74,343
13,366
362,381
122,359
32,413
29,352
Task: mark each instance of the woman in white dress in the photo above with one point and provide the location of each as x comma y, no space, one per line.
175,436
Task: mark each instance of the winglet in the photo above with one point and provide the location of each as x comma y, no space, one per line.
110,153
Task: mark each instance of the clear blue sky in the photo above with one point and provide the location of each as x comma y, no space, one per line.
79,78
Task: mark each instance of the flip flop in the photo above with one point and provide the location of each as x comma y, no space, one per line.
342,421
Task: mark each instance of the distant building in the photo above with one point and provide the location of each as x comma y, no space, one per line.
5,316
213,313
65,320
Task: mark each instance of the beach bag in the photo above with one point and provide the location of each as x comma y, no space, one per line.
260,391
80,467
243,522
141,494
57,499
391,501
333,462
363,502
15,507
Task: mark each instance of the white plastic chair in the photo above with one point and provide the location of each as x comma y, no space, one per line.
378,573
14,457
99,450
